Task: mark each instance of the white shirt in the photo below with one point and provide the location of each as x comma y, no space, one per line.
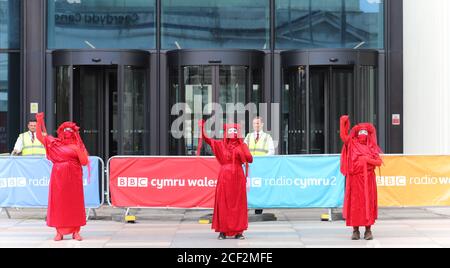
270,144
18,147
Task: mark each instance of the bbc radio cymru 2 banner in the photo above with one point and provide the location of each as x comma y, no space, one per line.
24,182
189,182
414,181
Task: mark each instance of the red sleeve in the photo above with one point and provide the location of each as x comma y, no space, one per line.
247,154
39,127
83,157
344,128
375,162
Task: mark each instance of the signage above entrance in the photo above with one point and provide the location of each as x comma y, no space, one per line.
91,18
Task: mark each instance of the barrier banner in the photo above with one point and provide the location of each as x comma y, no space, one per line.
24,182
411,181
189,182
176,182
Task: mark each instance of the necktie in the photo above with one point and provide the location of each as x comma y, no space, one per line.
32,137
257,137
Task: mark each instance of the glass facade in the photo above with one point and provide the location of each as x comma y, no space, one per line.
89,24
202,85
245,24
215,24
9,73
10,24
304,24
9,100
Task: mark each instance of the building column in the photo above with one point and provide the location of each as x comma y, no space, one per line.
394,75
33,57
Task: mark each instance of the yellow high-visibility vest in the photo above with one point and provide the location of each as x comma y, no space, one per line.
30,148
261,148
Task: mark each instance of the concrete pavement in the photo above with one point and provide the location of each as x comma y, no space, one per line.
295,228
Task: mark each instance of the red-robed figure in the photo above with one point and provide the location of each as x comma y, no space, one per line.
360,156
230,216
66,211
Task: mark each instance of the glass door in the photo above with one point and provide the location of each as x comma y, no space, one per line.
95,108
201,86
133,112
331,93
312,108
89,106
197,94
112,118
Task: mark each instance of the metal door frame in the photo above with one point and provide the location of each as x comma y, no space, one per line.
216,58
327,58
105,58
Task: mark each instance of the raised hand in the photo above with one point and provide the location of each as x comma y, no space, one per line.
345,121
40,116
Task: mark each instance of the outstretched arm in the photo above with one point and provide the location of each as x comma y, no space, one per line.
344,128
41,130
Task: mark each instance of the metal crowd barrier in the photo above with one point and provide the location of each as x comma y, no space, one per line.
100,186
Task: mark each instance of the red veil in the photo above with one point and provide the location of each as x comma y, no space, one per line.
233,141
75,139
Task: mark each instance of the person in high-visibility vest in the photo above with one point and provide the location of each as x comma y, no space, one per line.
27,143
259,143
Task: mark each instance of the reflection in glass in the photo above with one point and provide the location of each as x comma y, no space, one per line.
329,24
198,87
318,81
101,24
341,96
9,100
294,111
331,94
215,24
133,116
10,23
201,86
175,145
256,93
62,95
367,95
87,96
232,89
112,111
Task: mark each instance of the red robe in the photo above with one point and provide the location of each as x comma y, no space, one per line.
66,209
360,201
230,204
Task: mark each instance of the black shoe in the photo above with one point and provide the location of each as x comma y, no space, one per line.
240,237
356,235
222,236
258,211
368,235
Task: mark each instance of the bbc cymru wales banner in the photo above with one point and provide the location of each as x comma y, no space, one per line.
189,182
412,181
24,182
176,182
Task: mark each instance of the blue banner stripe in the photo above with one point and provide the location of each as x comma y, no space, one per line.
296,182
24,182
